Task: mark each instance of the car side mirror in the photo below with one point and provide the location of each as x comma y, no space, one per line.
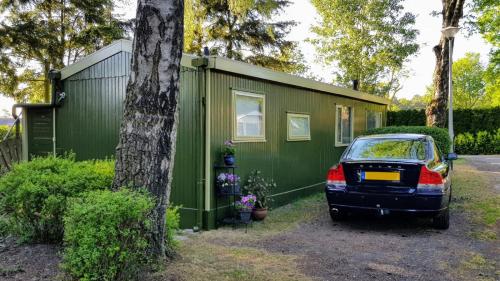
451,156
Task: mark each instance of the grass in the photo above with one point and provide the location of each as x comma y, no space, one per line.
225,254
472,191
475,266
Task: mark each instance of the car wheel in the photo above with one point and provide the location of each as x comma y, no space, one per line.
338,215
442,220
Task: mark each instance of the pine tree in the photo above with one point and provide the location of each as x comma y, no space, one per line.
36,36
243,30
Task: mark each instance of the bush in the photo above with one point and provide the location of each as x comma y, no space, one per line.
4,129
33,196
481,143
439,135
106,235
464,120
172,222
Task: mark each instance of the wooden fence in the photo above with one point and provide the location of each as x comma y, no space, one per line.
10,154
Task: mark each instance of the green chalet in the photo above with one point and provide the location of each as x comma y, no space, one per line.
290,128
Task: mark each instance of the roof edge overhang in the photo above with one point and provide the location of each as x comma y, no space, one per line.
227,65
247,69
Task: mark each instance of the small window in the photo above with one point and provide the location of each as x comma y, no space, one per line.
249,116
373,120
298,127
344,125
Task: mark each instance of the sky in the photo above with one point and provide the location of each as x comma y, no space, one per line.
421,66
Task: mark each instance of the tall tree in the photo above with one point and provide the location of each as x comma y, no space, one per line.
468,82
37,35
366,40
488,25
243,30
146,149
451,14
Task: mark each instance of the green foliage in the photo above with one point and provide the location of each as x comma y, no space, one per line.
483,142
464,120
4,129
416,102
488,24
261,188
172,224
468,83
33,196
366,40
242,30
439,135
39,35
106,235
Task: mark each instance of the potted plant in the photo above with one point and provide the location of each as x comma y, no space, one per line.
261,188
245,206
228,152
228,183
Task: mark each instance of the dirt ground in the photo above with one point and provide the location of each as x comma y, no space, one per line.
312,248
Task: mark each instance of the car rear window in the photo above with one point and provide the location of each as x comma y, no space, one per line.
391,149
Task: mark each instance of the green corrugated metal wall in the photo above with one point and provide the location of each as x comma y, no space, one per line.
88,123
298,167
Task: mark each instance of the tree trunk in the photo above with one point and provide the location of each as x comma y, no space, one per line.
146,149
436,111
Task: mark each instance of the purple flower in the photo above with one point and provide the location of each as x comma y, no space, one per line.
229,143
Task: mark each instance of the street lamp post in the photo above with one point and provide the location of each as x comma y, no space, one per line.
449,33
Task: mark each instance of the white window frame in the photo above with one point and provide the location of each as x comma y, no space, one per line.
379,114
289,117
237,138
337,107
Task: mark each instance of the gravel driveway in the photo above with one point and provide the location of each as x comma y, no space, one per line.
382,249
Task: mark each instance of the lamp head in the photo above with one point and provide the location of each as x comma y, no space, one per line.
450,31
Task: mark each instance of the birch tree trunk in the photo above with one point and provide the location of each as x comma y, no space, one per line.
436,111
146,149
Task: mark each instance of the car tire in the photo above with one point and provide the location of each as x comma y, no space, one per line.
442,220
338,215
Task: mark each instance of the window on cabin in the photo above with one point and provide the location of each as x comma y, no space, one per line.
249,116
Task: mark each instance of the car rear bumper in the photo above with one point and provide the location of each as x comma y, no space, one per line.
397,203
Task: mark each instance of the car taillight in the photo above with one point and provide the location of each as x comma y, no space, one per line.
430,181
336,176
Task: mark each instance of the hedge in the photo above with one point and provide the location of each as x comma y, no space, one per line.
481,143
464,120
439,135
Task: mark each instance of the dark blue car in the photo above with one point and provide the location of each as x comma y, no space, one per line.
394,173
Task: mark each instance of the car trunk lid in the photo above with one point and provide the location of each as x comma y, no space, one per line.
382,177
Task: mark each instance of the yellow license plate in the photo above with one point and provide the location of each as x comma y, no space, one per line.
380,176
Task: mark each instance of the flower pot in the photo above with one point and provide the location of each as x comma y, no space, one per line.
259,214
245,216
229,160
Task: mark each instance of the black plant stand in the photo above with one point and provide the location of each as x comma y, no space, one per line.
233,196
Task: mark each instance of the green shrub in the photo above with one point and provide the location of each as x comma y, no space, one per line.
173,220
33,196
439,135
481,143
4,129
464,120
106,235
